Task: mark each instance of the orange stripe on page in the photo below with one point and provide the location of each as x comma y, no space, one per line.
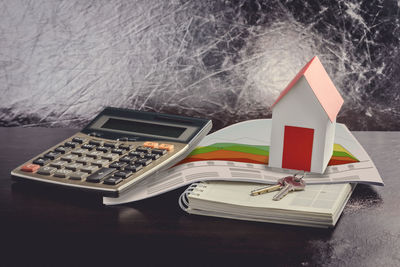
224,154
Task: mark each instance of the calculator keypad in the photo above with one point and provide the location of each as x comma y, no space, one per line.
95,161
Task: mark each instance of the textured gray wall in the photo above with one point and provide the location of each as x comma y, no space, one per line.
61,62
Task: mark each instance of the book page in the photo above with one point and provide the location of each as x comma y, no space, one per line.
252,133
324,198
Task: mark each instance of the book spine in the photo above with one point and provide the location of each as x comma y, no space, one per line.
194,189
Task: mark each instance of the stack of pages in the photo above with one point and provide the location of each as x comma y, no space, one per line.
317,206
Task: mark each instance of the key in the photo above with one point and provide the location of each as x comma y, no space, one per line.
128,159
77,176
99,175
30,167
118,165
269,188
134,167
58,164
63,173
152,156
73,166
110,156
62,149
125,147
143,149
102,148
96,142
78,140
117,151
70,144
84,160
69,157
41,161
88,147
79,151
46,170
292,183
112,180
159,151
94,154
109,145
52,155
123,174
89,169
100,162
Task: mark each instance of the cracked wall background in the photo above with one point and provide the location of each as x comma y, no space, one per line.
61,62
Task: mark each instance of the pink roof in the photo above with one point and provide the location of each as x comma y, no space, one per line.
322,86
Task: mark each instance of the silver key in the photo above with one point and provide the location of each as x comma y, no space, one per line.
269,188
291,183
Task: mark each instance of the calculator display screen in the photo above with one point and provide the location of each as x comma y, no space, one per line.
143,128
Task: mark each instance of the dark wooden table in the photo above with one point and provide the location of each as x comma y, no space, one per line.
51,227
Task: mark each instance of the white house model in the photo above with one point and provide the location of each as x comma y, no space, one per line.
303,121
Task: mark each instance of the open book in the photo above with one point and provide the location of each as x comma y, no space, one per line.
317,206
240,152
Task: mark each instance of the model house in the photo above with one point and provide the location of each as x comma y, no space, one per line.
303,121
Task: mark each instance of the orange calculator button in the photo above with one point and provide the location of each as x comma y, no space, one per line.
30,168
166,147
150,144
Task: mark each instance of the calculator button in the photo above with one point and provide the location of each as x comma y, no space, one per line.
112,180
62,149
102,149
136,154
89,169
78,176
100,162
144,161
63,173
94,154
87,146
110,145
150,144
166,147
58,164
143,149
79,151
152,156
41,161
70,144
99,175
46,170
78,140
94,134
69,157
128,159
123,174
117,151
52,155
159,151
134,167
95,143
84,160
30,167
117,165
110,156
73,166
125,147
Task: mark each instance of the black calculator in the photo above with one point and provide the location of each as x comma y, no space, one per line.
119,148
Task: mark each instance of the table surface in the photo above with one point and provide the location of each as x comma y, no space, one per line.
48,226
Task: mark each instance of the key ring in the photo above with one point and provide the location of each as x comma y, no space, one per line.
298,178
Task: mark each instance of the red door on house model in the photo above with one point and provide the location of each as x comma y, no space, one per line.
297,148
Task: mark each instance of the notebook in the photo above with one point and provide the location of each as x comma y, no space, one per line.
317,206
